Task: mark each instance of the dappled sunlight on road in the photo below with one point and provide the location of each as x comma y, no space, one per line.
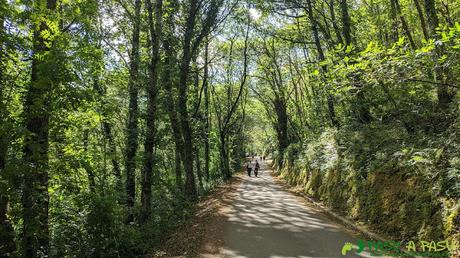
263,220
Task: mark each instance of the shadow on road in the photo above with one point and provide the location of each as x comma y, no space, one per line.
263,220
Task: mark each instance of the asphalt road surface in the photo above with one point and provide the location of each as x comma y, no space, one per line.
264,220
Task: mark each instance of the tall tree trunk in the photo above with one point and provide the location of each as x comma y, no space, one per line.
198,169
224,157
282,129
321,58
7,245
394,32
444,96
190,187
155,34
206,110
178,167
87,165
133,113
404,24
346,23
106,124
107,130
433,21
35,196
190,46
338,34
170,102
421,16
186,130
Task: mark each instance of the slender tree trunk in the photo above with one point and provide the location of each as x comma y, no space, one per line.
346,23
107,130
198,169
404,24
170,104
338,34
155,34
87,165
421,16
444,96
190,187
231,107
394,20
7,245
178,167
433,21
282,129
186,130
224,157
133,113
206,110
35,197
321,58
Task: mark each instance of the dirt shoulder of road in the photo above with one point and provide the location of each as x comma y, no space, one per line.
202,234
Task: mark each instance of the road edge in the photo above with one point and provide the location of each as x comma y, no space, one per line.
189,239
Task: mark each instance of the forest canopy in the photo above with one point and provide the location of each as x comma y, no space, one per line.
117,116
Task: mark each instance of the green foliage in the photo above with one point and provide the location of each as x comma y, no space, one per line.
360,126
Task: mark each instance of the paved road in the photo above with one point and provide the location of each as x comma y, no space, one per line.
263,220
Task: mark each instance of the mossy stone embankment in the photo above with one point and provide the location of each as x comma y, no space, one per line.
390,191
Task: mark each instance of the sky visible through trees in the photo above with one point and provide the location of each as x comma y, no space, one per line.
118,116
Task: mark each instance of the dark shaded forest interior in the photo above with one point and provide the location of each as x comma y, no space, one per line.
118,116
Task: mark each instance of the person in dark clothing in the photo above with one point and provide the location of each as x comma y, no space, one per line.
256,170
249,168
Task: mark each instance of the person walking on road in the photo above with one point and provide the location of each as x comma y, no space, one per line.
256,170
249,168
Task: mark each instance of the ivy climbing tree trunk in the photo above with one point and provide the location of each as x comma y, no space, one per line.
206,110
35,197
7,244
199,172
281,128
169,100
422,19
132,128
155,35
346,23
186,130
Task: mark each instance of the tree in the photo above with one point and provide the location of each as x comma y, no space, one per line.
35,198
190,46
170,101
226,113
7,245
132,127
207,128
155,35
444,94
275,98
